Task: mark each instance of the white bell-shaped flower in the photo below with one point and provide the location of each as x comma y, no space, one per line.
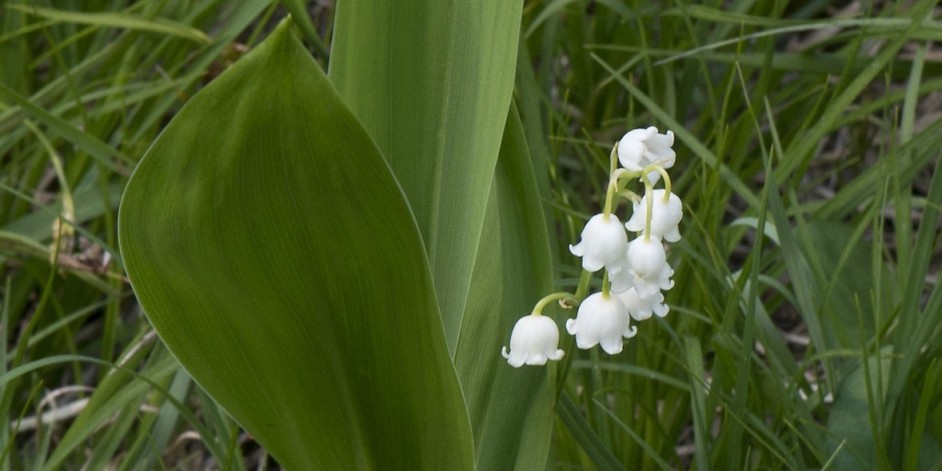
642,306
647,262
663,282
602,319
622,281
642,147
646,257
665,216
603,243
534,341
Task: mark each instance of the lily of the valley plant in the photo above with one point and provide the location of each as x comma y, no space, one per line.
635,272
323,252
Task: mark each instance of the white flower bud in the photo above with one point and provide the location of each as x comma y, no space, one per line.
534,341
603,243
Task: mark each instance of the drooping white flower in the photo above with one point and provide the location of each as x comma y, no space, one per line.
665,216
644,146
602,319
533,341
642,306
622,281
647,262
646,257
603,243
646,286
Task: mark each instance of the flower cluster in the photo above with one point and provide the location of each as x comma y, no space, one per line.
635,272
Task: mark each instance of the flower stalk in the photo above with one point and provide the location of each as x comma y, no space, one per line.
635,274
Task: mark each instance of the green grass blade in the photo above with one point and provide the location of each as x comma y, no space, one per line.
917,323
102,152
698,392
594,447
298,10
116,20
917,433
802,281
801,149
691,141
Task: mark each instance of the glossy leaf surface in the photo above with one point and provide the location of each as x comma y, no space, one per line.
512,409
431,81
275,254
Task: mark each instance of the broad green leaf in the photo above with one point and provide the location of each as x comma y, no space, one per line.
846,286
850,425
511,409
274,252
431,82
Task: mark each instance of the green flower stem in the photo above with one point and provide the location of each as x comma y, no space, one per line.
609,193
605,285
613,159
568,298
629,195
667,183
613,188
663,172
583,287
